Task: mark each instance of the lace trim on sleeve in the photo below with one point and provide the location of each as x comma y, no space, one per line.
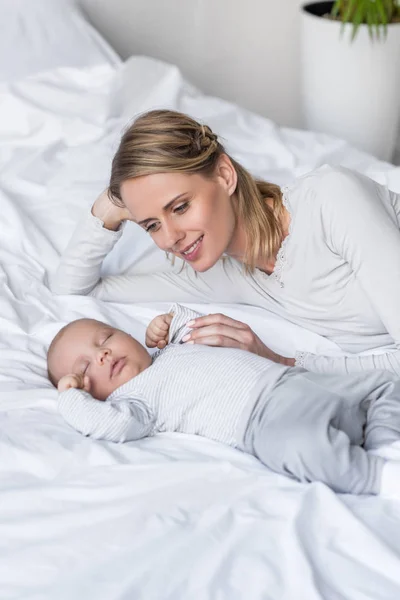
300,359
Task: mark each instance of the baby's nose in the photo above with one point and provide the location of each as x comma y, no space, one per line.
103,355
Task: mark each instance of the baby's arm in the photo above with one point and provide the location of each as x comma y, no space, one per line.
120,420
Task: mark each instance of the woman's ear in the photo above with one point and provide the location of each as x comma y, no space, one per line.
226,173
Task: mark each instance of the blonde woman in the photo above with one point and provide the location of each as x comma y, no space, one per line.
323,252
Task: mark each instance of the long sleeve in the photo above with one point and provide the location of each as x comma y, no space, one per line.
80,267
121,420
388,361
362,228
182,316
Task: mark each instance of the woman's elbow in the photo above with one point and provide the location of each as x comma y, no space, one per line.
62,287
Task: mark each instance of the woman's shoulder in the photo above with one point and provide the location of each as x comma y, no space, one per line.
332,186
332,174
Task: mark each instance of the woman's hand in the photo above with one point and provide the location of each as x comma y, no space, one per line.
220,330
158,330
111,215
80,382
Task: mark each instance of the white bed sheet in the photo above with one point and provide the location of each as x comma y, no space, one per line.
36,35
173,517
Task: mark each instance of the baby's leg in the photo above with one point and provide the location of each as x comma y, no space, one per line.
310,427
383,409
383,425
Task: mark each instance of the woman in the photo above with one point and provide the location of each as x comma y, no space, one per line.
323,253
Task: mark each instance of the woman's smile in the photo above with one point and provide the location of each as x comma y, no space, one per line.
192,252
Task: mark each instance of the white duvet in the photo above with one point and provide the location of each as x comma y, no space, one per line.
173,517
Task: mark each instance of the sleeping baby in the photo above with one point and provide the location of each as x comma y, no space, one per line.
308,426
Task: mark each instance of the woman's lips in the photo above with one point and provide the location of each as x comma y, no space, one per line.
193,251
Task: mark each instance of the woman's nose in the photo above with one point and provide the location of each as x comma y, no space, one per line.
171,237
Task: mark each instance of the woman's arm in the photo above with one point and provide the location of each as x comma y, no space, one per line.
80,264
362,228
388,361
80,267
94,237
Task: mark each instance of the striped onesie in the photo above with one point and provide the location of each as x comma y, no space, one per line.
308,426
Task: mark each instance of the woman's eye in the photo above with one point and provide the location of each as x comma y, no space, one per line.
181,208
151,228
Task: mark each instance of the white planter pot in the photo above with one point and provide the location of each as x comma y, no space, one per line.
350,89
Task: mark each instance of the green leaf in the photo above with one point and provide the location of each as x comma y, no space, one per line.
336,8
390,9
383,16
357,20
370,23
375,17
376,14
382,11
349,11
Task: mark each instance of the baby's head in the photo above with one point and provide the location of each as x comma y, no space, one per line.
108,356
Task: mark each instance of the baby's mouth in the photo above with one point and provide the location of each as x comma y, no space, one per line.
116,367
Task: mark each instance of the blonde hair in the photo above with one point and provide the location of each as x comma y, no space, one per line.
166,141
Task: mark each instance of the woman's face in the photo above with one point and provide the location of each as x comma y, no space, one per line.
189,216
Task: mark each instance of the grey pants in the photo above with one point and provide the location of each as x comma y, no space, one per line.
317,427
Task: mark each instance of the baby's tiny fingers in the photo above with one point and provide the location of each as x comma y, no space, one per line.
156,335
67,382
165,319
160,330
150,343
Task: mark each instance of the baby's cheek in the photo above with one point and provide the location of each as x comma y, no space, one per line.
99,390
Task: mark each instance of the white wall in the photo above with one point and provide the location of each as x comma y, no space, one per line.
246,51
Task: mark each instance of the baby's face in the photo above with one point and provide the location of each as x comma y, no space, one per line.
109,357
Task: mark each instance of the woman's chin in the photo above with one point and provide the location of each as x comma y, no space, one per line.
203,265
199,268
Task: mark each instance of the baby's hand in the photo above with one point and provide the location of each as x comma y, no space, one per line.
158,330
80,382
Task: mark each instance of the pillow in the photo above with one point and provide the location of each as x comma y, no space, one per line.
37,35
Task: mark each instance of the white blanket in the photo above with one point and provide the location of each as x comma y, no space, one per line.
173,517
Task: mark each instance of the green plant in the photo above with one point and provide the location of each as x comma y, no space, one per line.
374,13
